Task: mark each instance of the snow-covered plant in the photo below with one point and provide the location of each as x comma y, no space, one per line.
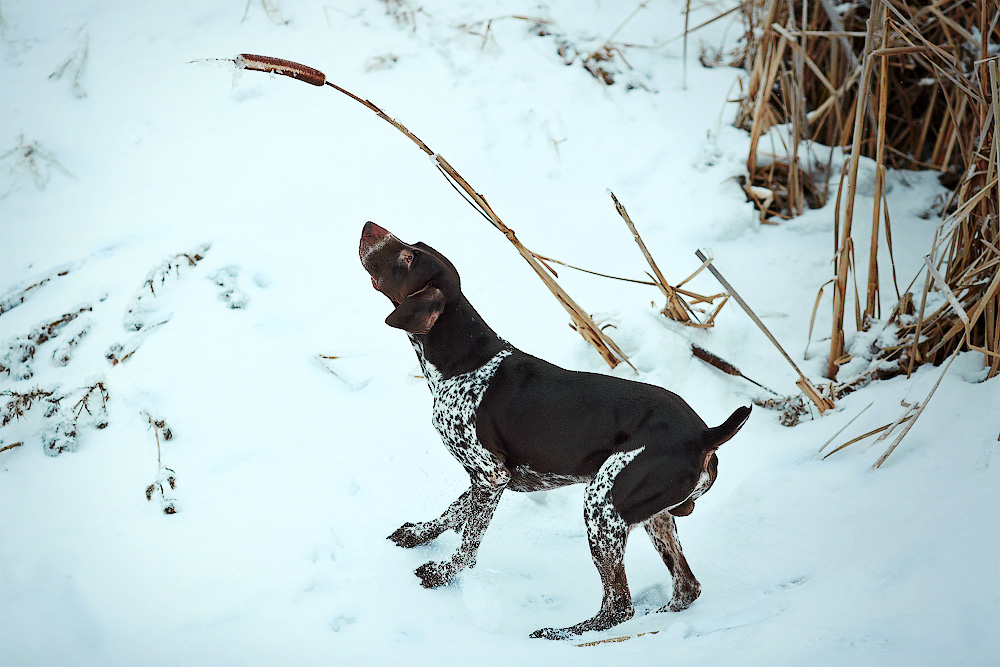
17,295
231,292
164,475
18,403
17,354
144,301
29,159
63,354
67,414
120,352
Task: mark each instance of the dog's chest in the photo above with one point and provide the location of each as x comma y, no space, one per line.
456,400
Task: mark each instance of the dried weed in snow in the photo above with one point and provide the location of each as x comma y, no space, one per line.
28,160
17,295
144,302
70,412
18,353
164,475
72,68
231,293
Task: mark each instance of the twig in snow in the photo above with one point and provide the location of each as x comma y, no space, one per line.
914,412
74,66
142,303
31,159
270,9
121,352
403,12
164,475
844,428
352,384
676,307
19,403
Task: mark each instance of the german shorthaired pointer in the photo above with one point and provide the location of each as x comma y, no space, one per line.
517,422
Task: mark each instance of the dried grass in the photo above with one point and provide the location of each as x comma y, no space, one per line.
911,85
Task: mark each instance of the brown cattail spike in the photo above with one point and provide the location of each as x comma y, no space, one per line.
282,67
710,358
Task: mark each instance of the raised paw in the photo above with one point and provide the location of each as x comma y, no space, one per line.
432,574
407,536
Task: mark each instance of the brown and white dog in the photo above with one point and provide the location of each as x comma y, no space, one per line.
517,422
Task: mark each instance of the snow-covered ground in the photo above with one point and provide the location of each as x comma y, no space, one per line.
290,469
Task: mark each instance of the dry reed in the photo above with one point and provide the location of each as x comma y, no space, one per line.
582,321
911,85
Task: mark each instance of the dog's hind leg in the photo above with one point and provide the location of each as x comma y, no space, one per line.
662,530
410,535
607,533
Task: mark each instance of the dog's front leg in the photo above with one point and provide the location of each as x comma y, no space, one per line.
410,535
482,501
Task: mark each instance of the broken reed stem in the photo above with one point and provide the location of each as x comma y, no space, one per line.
676,306
844,428
823,404
583,323
916,414
887,428
549,260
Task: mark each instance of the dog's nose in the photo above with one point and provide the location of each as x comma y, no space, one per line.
372,232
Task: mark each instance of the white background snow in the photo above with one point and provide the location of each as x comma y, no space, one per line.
289,477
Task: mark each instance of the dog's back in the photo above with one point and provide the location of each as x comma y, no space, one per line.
552,420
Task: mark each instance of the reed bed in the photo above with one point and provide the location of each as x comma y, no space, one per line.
912,85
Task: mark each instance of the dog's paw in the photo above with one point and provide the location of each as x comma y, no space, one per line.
432,574
683,598
551,633
406,536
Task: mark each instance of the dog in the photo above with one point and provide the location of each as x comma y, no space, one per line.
517,422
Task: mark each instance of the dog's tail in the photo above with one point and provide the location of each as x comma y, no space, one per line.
714,437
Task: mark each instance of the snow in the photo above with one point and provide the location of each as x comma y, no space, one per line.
301,436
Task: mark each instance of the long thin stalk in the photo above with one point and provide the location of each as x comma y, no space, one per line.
593,334
840,286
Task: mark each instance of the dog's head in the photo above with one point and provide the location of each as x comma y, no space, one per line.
416,278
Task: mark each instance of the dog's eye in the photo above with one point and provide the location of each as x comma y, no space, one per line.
406,257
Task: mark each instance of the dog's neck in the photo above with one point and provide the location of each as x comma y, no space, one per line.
460,340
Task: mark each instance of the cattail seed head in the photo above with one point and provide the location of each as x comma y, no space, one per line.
281,66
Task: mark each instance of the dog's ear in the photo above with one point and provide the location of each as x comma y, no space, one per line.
418,312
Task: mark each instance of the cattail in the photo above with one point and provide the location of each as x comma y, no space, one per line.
282,67
724,366
719,363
